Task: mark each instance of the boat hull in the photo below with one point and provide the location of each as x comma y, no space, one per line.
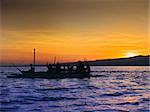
50,76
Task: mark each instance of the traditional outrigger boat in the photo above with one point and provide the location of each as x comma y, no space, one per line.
54,73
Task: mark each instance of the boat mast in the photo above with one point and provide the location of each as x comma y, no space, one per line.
34,59
54,60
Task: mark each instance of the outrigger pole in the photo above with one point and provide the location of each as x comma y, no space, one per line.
34,59
17,68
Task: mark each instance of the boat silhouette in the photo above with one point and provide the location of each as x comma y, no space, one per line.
56,71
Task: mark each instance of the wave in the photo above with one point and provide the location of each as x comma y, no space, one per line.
111,95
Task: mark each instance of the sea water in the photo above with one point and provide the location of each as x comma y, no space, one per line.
110,89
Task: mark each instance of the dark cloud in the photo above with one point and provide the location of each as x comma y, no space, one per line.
58,14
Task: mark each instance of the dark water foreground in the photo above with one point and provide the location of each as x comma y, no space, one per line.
115,89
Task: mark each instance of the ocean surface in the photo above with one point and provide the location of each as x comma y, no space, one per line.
111,89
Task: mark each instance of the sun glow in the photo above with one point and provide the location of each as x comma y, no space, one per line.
131,54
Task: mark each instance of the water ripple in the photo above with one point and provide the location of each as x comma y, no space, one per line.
110,89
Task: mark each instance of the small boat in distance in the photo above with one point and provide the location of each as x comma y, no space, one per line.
56,71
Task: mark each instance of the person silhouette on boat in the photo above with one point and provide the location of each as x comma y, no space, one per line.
70,68
80,67
49,66
31,68
88,69
58,67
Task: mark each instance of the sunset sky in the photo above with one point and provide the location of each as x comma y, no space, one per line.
72,30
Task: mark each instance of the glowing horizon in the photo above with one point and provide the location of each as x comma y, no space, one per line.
73,30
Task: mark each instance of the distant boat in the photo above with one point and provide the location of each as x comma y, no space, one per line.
54,74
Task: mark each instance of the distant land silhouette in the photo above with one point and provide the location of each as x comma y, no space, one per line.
131,61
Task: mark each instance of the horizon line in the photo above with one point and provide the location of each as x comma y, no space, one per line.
41,64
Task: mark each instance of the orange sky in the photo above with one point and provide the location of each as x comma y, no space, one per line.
73,29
